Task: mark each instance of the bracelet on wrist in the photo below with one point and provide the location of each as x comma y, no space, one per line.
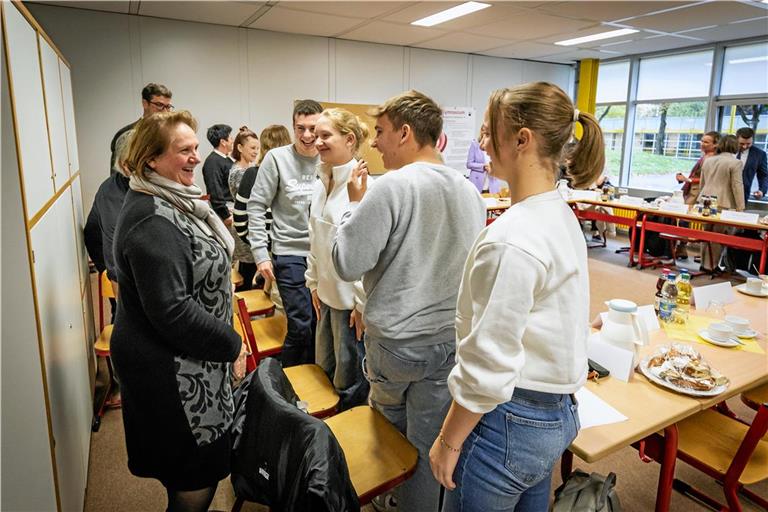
444,444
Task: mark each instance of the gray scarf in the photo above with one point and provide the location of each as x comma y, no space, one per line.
187,198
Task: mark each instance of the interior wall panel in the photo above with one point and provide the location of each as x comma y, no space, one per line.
200,64
63,331
24,64
26,464
367,73
489,74
441,75
284,68
54,107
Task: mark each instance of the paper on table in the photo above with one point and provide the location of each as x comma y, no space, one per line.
591,195
720,292
594,411
750,218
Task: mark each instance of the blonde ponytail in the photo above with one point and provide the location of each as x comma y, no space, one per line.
587,159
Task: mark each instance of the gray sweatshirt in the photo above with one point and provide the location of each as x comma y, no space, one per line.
284,183
409,238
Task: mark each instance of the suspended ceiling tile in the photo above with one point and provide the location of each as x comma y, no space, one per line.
353,9
530,25
391,33
119,7
699,15
525,50
300,22
460,42
220,13
606,11
751,28
650,44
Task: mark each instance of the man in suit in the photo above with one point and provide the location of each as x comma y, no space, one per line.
154,98
755,164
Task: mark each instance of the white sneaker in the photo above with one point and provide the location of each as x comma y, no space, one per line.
385,503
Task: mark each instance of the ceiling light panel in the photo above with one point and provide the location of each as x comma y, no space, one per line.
450,14
597,37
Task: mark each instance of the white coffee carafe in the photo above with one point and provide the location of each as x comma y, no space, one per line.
623,327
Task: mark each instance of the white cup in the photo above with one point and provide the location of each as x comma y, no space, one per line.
720,331
740,325
755,285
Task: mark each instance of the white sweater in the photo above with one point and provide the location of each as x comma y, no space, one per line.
325,213
523,309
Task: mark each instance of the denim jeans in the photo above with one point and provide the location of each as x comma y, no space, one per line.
506,462
300,338
340,355
408,386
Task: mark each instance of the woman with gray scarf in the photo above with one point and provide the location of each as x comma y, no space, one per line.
173,343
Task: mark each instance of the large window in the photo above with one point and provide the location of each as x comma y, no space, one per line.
670,118
669,101
666,141
745,70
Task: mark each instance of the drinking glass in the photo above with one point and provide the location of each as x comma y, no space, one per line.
715,310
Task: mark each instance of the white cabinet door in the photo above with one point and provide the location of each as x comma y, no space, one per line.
55,109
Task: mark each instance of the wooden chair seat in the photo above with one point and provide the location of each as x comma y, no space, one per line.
269,333
102,342
256,302
713,439
312,386
378,455
756,396
106,287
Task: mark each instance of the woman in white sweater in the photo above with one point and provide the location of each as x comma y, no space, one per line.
523,313
338,304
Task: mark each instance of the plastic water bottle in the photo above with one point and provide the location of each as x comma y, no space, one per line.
684,291
659,284
668,301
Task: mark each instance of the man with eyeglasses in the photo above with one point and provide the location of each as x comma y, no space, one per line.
154,98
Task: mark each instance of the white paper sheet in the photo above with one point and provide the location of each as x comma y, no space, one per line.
720,292
739,216
594,411
591,195
617,360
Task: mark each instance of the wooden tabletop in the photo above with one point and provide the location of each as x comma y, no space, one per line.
649,407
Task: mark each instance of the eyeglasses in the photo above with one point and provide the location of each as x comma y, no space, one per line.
161,106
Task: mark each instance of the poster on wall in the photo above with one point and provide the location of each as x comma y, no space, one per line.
458,131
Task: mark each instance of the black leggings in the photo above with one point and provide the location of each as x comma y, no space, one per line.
190,501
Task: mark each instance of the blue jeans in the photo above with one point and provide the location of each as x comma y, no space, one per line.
408,386
300,338
506,462
340,355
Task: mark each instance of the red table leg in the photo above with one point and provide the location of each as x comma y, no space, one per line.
566,464
763,254
667,470
632,231
641,249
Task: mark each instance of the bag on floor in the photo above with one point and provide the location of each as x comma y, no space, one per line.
583,492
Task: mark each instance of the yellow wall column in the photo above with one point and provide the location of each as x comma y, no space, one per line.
586,95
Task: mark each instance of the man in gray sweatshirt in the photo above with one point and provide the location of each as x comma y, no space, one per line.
284,183
408,239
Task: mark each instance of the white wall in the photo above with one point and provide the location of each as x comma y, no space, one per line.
242,76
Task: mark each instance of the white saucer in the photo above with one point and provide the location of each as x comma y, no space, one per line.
743,289
704,334
749,333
